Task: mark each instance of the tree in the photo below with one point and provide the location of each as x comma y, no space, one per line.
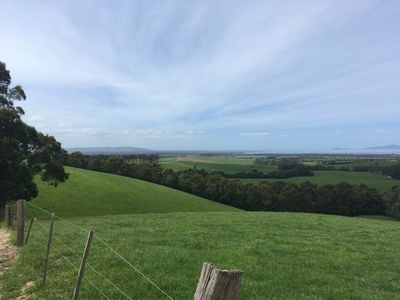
392,171
393,202
24,151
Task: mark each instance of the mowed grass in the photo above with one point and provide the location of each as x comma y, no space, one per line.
380,182
89,193
282,255
226,164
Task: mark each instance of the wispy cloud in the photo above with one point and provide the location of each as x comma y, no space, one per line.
205,66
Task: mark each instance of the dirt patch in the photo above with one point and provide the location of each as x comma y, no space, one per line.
8,253
23,291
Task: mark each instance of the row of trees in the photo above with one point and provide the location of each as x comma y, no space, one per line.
285,169
392,171
341,199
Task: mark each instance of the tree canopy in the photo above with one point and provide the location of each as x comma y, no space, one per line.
25,152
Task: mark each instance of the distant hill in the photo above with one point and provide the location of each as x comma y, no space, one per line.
392,147
90,193
111,150
387,147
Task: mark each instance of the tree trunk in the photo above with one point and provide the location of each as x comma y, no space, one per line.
2,210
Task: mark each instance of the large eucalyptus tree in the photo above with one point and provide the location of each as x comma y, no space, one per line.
24,152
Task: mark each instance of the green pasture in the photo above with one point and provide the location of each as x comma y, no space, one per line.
227,164
282,255
89,193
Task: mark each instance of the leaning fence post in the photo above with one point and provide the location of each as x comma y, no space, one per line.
29,230
216,284
20,222
82,266
46,258
8,215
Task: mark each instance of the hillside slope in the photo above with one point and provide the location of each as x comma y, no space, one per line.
89,193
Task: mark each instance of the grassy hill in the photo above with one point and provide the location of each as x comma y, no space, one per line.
89,193
283,255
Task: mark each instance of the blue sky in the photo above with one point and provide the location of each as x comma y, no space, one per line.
218,75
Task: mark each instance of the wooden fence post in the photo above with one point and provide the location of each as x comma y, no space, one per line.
8,215
46,258
216,284
20,222
82,266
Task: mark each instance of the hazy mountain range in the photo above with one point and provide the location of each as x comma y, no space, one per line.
392,147
111,150
137,150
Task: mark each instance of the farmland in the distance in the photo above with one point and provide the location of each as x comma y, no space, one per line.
231,164
228,164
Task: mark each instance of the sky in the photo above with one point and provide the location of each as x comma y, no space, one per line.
207,75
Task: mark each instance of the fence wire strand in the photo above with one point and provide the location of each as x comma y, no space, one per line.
134,268
93,269
70,262
110,248
109,281
77,269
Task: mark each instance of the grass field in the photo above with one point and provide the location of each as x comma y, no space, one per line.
378,181
283,256
89,193
227,164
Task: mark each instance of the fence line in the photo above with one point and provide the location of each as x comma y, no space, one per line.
68,260
134,268
110,248
59,218
76,268
214,283
109,281
94,270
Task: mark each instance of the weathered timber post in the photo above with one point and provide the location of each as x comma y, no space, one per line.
216,284
8,215
29,230
46,258
82,266
20,222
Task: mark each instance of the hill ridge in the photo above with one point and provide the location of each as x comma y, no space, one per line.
99,194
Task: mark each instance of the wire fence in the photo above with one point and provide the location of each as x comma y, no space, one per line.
76,268
75,260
